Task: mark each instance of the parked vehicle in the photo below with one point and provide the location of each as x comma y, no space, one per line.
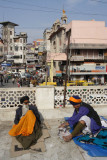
16,74
25,75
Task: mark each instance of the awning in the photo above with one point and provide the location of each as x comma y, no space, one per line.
56,57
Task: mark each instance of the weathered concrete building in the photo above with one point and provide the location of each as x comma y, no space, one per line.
20,48
57,44
1,51
14,45
88,49
8,33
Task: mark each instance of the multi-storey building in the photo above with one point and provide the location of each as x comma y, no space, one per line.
8,33
14,45
1,51
57,44
88,50
46,35
32,58
20,48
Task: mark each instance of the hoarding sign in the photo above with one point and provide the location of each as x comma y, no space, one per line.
100,67
6,64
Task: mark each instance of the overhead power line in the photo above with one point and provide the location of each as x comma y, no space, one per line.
31,28
71,12
26,9
89,14
99,1
51,9
29,4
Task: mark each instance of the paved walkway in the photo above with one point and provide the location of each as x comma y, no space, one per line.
9,84
56,148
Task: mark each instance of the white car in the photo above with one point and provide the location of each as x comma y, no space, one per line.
25,75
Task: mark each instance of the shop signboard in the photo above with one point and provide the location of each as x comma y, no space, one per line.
58,74
6,64
100,67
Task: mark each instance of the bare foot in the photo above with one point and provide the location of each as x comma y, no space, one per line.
63,125
67,138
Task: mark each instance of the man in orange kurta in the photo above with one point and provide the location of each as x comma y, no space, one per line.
27,121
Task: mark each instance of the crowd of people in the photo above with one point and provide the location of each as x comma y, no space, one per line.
35,79
4,79
32,80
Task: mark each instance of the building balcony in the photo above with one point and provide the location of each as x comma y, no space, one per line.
98,70
77,58
82,58
88,72
32,60
14,57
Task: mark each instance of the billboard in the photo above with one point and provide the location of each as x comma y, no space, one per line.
6,64
100,67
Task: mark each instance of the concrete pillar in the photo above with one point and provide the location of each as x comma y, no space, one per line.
45,97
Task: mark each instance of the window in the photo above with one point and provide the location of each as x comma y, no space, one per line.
10,48
24,40
16,57
10,40
65,21
100,52
54,45
20,47
16,48
78,64
54,64
20,40
1,49
16,40
78,52
58,26
5,48
10,32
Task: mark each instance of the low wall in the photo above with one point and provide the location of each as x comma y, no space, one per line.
94,95
49,100
56,113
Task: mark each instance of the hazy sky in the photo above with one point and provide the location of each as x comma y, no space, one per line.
34,16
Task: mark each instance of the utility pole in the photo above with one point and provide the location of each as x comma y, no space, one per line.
66,75
69,57
46,74
51,73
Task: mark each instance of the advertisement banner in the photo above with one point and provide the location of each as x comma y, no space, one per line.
100,67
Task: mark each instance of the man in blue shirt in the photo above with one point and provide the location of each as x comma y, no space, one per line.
84,119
